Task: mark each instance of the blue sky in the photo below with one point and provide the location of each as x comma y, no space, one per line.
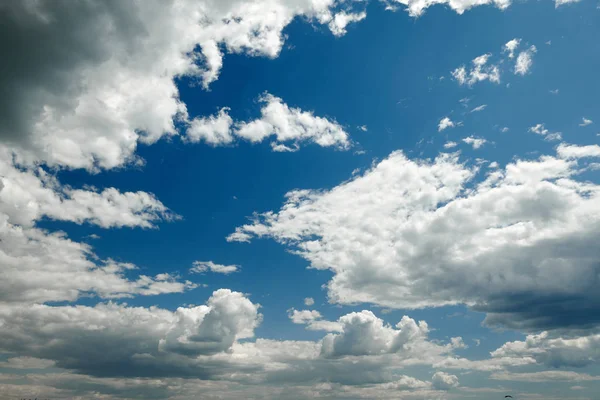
150,142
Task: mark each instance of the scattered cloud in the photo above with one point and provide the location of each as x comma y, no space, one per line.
538,202
309,301
444,381
476,143
525,61
479,108
511,46
287,124
585,122
445,123
540,129
479,71
543,376
450,145
416,8
200,267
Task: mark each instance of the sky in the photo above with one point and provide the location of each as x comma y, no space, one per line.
294,199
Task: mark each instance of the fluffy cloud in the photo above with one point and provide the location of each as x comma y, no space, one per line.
511,46
444,381
518,245
140,341
543,376
475,142
416,8
480,71
27,195
309,301
524,61
292,124
445,123
101,77
200,267
450,145
540,129
287,124
554,351
313,321
38,267
572,151
365,334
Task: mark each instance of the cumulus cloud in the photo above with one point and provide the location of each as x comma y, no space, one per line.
141,341
287,124
554,351
365,334
573,151
585,122
543,376
416,8
291,124
444,381
511,46
476,143
450,145
313,320
524,61
445,123
200,267
517,245
87,83
309,301
479,71
540,129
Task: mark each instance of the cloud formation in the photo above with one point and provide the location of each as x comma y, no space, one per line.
430,239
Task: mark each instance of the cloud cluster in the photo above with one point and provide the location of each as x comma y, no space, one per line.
102,76
479,71
418,233
287,124
200,267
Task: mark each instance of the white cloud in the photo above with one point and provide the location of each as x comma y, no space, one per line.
475,142
93,340
362,333
559,3
572,151
543,376
309,301
445,123
342,19
554,91
511,46
554,352
479,108
214,129
38,267
480,71
313,321
585,122
416,8
444,381
492,246
290,125
524,61
104,78
450,145
200,267
540,129
363,128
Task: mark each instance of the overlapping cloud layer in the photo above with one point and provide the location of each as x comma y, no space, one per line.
416,233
